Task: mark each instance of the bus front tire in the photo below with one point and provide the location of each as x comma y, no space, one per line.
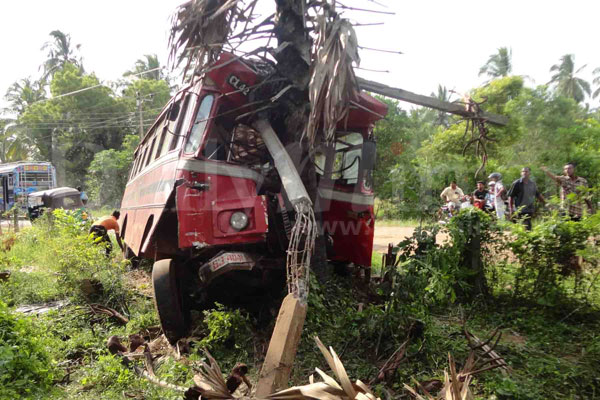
168,300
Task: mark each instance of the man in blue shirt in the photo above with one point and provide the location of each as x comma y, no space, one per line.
521,198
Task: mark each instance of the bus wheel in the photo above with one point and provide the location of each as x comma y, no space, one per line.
128,254
168,299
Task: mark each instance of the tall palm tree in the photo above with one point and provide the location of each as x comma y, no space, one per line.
596,82
565,80
499,64
13,147
149,67
442,117
23,93
60,51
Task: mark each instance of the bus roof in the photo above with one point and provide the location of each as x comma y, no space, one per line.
4,168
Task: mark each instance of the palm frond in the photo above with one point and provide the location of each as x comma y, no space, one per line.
332,81
200,28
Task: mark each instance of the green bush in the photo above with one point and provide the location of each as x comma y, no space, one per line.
62,259
429,272
25,367
548,257
225,328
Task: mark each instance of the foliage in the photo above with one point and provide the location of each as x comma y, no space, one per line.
62,259
429,273
567,84
225,329
109,172
60,52
25,367
499,64
548,256
147,68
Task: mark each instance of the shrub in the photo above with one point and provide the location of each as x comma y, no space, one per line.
548,255
432,273
25,367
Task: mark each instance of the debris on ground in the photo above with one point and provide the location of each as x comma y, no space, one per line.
37,309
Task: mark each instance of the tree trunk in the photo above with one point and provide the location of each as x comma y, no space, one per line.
293,62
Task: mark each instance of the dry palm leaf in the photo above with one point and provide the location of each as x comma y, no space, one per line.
200,28
332,82
210,380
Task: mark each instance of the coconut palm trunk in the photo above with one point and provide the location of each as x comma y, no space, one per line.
293,62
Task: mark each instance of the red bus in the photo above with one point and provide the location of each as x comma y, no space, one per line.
206,203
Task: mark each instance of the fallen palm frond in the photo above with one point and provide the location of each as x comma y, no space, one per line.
330,388
200,29
332,81
456,385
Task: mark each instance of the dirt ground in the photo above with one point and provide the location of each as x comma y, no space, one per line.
390,234
394,234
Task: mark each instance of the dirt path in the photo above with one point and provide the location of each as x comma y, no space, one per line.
395,234
390,234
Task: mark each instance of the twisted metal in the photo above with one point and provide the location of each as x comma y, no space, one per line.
300,249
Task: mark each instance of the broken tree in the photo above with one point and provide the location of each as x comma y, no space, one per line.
303,98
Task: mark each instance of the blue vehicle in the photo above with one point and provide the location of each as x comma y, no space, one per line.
19,179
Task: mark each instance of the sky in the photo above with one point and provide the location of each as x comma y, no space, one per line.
443,42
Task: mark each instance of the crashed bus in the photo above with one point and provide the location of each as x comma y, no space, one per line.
206,202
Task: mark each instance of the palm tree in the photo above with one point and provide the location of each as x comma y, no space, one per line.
147,68
566,83
12,145
499,64
23,93
442,117
60,52
596,81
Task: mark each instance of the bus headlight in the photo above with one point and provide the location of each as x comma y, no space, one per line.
238,220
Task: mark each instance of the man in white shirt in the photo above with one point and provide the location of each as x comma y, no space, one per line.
499,192
453,195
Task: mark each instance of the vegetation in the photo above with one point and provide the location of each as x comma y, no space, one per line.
548,316
540,288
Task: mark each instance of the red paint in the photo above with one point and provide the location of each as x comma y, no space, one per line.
202,197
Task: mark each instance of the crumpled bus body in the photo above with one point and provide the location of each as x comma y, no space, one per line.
203,189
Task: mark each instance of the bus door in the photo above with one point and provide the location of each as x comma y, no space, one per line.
4,204
346,198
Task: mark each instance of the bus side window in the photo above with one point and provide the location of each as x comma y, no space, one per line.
150,150
200,123
136,162
181,120
162,130
136,167
141,164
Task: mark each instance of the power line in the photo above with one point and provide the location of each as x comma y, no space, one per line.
91,87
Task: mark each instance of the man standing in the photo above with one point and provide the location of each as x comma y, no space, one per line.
499,194
82,195
570,183
521,197
452,194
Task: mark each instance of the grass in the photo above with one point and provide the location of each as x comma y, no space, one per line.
554,350
397,222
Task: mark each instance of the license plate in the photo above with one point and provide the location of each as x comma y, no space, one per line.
228,258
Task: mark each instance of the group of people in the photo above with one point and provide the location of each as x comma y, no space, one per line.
519,200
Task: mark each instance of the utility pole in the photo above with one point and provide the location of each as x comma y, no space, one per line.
139,109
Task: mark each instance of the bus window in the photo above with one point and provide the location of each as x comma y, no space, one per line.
183,117
163,131
136,164
200,123
141,164
347,158
150,151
